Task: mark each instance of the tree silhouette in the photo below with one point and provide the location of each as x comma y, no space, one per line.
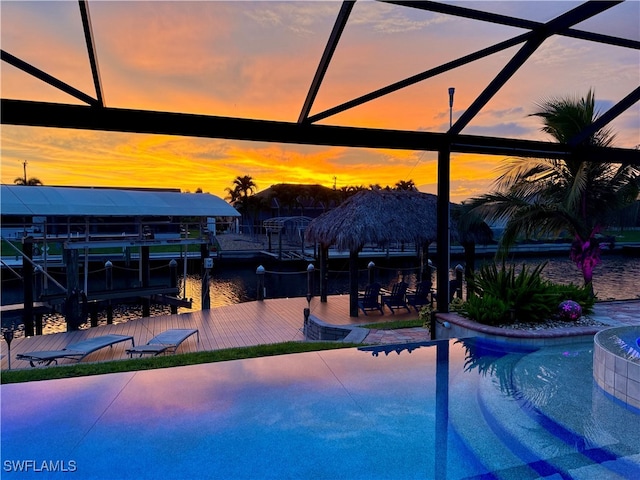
240,199
405,185
555,196
32,181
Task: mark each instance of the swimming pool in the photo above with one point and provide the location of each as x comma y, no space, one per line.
445,410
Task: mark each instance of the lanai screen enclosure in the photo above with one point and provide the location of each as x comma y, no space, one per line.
93,112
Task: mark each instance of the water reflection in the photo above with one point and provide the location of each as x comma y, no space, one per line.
493,359
426,412
399,348
614,279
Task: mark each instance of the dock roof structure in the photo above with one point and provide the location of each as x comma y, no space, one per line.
69,201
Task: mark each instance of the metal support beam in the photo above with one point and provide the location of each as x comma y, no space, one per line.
432,72
513,22
330,48
558,24
443,236
604,119
27,271
91,49
467,13
45,77
21,112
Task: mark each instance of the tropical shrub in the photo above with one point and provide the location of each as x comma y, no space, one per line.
488,310
579,294
425,316
504,295
456,305
526,294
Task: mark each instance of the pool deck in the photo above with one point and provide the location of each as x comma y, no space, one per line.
258,323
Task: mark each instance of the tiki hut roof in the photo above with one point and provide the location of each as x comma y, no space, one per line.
377,216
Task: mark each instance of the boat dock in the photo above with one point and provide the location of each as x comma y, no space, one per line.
259,323
239,325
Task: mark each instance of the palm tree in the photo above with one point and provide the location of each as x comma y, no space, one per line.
32,181
556,196
242,187
350,190
239,194
405,185
232,196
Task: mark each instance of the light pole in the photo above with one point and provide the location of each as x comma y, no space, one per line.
452,90
307,311
310,270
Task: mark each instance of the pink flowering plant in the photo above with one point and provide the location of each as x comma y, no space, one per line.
586,255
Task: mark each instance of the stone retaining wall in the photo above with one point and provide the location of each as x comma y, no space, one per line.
316,329
452,325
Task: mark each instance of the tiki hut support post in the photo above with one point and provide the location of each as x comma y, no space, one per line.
443,231
323,255
425,268
353,283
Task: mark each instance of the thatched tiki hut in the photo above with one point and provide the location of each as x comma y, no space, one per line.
378,217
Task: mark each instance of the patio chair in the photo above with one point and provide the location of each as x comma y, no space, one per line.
369,299
396,299
73,351
167,341
422,296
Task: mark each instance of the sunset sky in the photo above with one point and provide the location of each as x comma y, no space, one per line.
257,60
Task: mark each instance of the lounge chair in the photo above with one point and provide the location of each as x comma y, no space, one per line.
73,351
422,296
396,299
369,299
167,341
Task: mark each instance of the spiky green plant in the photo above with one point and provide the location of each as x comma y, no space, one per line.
505,294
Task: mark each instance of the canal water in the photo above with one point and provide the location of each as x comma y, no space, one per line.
616,278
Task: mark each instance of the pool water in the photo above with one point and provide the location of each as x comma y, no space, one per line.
445,410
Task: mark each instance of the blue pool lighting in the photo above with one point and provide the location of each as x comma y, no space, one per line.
447,409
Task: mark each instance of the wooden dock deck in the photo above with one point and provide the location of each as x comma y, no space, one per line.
240,325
